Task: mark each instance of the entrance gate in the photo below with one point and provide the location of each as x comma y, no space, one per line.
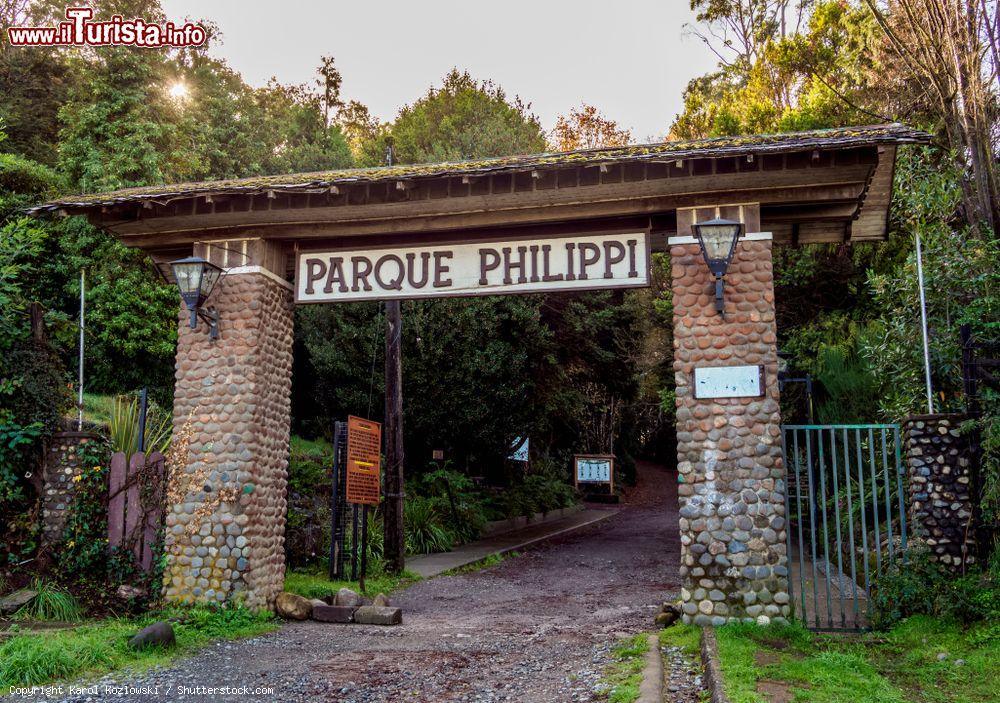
845,506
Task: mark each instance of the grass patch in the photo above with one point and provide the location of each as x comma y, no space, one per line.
900,666
311,446
97,408
50,603
687,637
316,585
623,676
908,656
94,649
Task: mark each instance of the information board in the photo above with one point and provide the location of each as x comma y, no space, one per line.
594,468
364,461
521,451
729,382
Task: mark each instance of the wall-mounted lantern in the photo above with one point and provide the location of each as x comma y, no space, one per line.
196,278
717,239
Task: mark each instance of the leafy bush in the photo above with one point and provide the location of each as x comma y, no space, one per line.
456,501
538,493
917,585
307,529
83,553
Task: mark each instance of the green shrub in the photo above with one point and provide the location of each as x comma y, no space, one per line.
456,501
917,585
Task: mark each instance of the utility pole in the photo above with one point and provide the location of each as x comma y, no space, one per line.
394,548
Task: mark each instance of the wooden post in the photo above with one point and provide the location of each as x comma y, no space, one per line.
394,538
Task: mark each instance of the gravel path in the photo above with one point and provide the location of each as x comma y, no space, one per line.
536,628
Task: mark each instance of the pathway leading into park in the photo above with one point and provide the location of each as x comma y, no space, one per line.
535,628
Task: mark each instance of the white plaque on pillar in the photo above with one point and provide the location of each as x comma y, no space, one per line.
729,382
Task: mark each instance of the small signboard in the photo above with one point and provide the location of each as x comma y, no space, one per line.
729,382
594,468
364,461
520,452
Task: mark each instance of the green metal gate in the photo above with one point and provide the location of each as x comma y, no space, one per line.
846,518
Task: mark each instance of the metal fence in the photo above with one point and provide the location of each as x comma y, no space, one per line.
846,518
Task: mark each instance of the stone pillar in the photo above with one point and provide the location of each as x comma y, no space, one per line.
226,502
734,562
938,464
59,481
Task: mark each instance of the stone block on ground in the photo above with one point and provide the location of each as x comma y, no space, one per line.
16,600
345,596
333,613
378,615
159,634
381,600
292,606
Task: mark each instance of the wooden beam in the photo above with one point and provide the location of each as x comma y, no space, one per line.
495,218
775,187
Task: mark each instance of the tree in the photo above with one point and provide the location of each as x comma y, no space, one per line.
329,82
819,76
465,119
586,128
945,58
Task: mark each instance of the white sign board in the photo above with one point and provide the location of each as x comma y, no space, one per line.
594,469
521,451
580,262
729,382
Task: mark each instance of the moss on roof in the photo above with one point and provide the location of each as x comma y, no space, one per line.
838,138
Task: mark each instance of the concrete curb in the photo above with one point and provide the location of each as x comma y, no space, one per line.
651,688
713,668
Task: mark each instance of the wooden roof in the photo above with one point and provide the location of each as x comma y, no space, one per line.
822,185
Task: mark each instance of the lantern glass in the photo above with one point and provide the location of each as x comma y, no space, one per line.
209,277
718,242
195,278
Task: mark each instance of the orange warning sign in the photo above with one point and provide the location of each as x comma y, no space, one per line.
364,461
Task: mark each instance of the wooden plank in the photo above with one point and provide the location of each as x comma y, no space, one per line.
817,232
747,213
532,198
133,505
116,500
154,517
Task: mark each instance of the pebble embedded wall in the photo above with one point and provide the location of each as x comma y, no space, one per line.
939,487
62,467
226,507
734,561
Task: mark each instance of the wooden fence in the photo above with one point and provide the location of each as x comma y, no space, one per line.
135,504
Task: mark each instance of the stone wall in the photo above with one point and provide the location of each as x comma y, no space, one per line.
226,508
938,463
734,562
59,472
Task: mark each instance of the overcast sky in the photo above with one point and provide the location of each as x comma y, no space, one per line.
630,58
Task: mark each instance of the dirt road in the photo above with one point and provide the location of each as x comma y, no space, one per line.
535,628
